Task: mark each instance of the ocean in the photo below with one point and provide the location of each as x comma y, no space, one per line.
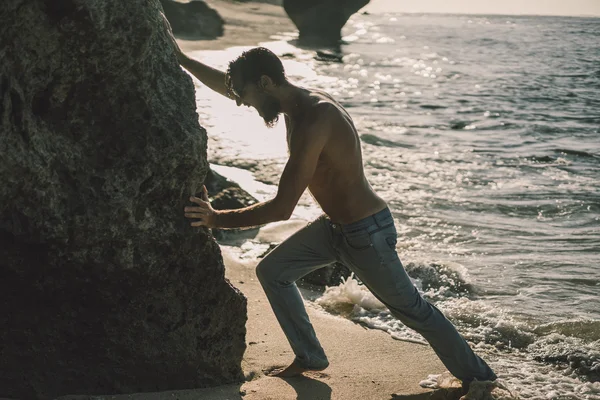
483,134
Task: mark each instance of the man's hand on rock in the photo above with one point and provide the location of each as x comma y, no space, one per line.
171,37
204,213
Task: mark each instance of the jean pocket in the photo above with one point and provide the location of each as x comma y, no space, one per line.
359,240
384,243
392,241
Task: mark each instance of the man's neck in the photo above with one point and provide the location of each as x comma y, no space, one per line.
292,99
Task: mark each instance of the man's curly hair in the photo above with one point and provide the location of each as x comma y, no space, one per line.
251,65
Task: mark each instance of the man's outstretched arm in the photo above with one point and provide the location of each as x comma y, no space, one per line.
254,215
211,77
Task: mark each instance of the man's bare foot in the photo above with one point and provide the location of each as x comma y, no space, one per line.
293,370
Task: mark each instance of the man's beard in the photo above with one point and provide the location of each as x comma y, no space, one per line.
270,109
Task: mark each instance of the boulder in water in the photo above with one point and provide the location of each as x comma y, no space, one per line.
320,22
193,20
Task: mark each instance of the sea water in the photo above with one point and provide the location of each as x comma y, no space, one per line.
482,133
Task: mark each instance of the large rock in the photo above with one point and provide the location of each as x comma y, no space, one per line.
320,22
193,20
104,286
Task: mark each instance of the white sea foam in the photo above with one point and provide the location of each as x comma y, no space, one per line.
484,390
350,292
508,345
353,300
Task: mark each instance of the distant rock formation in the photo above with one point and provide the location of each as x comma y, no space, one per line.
320,22
193,20
104,286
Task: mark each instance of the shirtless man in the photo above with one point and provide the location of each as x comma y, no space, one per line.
357,228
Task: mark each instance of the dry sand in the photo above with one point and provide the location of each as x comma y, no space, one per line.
246,24
364,364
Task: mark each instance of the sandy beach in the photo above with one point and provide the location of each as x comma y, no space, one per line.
246,23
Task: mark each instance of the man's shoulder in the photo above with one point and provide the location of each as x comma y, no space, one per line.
318,118
322,114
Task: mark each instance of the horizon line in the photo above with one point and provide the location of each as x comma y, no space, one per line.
499,14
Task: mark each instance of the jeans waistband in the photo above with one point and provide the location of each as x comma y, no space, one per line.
380,218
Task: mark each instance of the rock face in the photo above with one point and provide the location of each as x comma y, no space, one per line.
320,22
193,20
104,286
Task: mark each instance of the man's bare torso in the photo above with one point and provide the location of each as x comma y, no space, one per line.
339,184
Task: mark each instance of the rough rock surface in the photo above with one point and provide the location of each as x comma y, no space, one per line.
104,286
320,22
193,20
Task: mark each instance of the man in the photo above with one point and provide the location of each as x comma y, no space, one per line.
357,228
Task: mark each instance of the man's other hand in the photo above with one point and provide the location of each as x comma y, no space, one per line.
204,212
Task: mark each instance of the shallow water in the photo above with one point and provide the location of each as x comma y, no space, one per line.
482,133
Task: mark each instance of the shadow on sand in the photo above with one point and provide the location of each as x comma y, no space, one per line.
309,389
440,394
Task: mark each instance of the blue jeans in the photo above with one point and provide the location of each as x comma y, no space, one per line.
368,248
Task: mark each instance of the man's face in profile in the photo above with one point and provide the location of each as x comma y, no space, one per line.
254,95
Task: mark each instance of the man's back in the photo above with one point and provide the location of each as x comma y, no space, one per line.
339,184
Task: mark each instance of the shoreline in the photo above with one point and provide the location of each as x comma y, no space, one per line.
246,24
